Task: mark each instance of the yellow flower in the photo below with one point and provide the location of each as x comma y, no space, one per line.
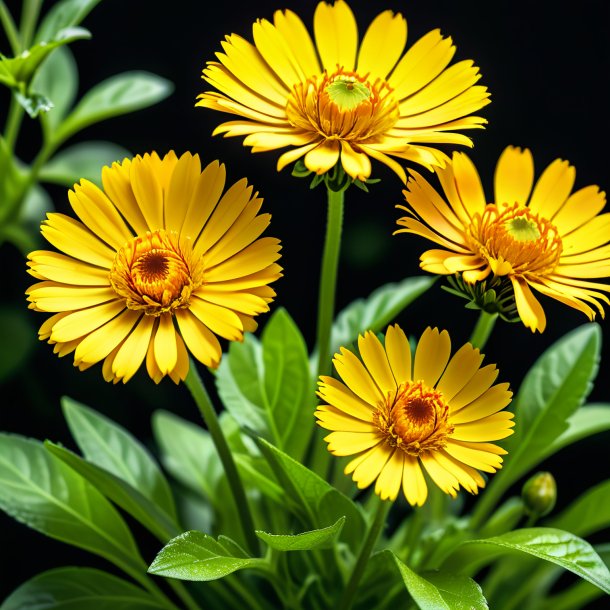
159,262
397,414
539,236
339,99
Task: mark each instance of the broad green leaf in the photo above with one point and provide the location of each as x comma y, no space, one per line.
116,95
309,496
305,541
553,545
77,589
17,72
63,14
377,310
266,385
57,80
141,508
109,446
551,392
83,160
18,340
196,556
583,516
42,492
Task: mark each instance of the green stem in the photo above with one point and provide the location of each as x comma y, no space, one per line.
183,594
328,278
10,28
29,17
349,593
195,385
483,329
13,123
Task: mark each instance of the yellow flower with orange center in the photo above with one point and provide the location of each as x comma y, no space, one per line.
160,262
341,100
401,416
538,235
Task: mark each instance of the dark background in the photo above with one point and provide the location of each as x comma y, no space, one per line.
546,65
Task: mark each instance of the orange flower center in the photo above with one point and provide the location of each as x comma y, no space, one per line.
514,240
414,419
343,106
154,273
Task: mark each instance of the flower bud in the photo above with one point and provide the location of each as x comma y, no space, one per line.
539,494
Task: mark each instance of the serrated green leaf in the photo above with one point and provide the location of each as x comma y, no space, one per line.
553,545
83,160
77,588
266,385
196,556
63,14
40,491
141,508
119,94
305,541
109,446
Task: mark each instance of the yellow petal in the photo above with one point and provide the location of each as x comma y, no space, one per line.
292,29
182,187
374,357
348,443
148,192
594,233
514,176
390,478
340,396
431,356
219,320
413,483
368,470
399,353
49,296
332,418
324,156
165,350
64,269
552,189
460,370
356,377
200,340
382,45
491,401
133,350
475,455
530,310
491,428
336,35
580,207
444,479
292,155
479,383
468,184
356,165
85,321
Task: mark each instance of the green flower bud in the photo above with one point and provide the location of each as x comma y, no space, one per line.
539,494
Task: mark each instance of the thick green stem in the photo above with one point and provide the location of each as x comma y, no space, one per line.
195,385
483,328
328,278
349,593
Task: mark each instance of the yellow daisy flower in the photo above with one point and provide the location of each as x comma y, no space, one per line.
399,414
341,100
539,236
159,262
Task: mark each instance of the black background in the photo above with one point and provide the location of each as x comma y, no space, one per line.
546,65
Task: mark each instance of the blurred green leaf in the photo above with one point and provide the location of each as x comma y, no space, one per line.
63,14
79,588
83,160
109,446
305,541
119,94
266,385
39,490
553,545
18,340
196,556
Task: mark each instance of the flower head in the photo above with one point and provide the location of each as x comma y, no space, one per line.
539,236
398,414
338,100
159,262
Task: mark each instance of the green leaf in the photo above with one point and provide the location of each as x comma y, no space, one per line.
196,556
83,160
63,14
267,388
551,392
553,545
111,447
79,588
57,80
116,95
155,519
18,340
377,310
441,590
583,516
39,490
309,496
303,542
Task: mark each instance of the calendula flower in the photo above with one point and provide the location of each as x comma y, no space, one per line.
159,262
341,100
541,236
401,415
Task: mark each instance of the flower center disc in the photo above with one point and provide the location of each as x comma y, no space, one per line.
343,106
415,419
152,272
515,238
